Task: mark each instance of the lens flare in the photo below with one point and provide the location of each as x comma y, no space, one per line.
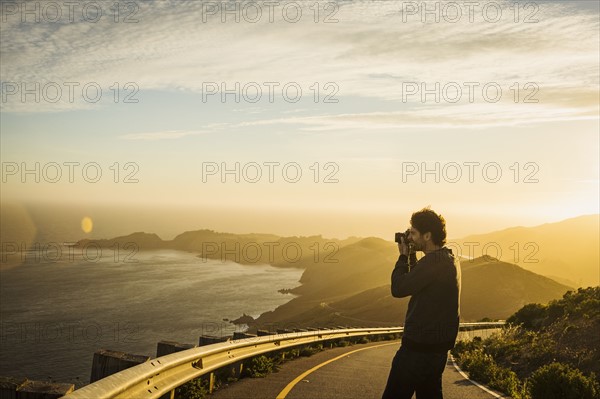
86,224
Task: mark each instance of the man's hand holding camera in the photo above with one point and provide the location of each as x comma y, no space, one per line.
404,249
404,243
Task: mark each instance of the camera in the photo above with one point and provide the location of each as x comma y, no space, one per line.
406,236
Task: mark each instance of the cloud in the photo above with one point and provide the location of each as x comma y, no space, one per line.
164,135
467,116
369,53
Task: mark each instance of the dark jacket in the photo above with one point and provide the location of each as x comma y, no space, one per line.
434,284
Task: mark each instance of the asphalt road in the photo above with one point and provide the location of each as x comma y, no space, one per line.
356,374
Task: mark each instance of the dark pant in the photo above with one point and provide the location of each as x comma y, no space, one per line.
416,372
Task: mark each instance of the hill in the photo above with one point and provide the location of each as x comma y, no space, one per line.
356,291
348,281
355,267
566,250
142,241
246,249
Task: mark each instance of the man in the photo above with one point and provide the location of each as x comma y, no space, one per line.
432,317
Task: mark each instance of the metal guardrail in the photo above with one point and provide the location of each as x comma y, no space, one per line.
154,378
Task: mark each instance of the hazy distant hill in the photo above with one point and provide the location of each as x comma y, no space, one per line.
490,288
241,248
567,250
359,266
141,240
496,289
347,282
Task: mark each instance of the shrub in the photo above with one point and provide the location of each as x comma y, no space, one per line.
556,310
310,350
481,366
560,381
342,342
466,346
363,340
506,380
194,389
259,366
293,353
587,307
225,375
530,316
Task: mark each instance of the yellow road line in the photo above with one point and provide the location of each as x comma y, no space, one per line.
296,380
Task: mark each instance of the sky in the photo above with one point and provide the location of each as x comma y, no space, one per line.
490,114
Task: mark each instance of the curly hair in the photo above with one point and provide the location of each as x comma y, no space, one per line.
427,221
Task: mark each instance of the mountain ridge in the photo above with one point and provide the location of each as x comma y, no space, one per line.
352,282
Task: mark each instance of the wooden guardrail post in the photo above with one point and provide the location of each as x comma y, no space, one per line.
23,388
164,348
242,335
209,340
283,331
107,362
238,368
262,333
44,390
9,386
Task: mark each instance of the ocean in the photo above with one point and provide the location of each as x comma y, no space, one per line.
56,314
